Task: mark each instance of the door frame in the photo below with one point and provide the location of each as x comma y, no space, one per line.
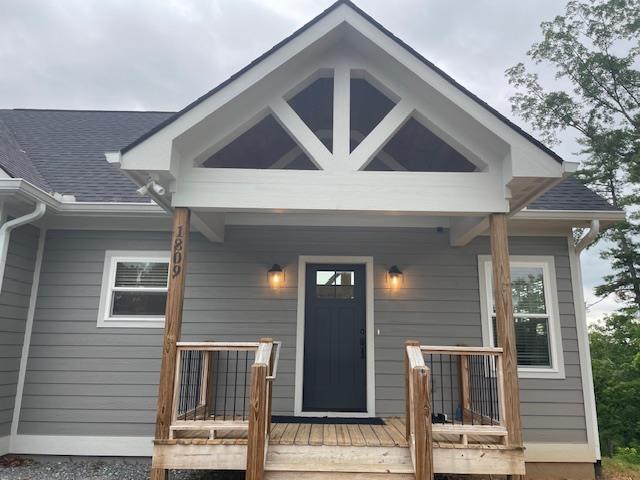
303,260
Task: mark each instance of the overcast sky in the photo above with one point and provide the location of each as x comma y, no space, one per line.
162,54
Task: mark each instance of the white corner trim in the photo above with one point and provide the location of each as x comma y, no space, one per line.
584,350
4,445
26,342
82,445
559,452
111,257
547,262
370,324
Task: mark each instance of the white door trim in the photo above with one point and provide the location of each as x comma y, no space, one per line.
371,388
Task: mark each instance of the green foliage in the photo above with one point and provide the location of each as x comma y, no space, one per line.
594,50
629,455
615,351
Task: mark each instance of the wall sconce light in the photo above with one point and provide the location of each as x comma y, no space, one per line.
395,277
275,275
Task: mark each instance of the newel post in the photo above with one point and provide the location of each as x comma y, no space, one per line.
172,327
505,327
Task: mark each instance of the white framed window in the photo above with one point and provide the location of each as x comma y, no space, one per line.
535,312
134,289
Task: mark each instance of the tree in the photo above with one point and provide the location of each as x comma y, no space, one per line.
594,49
615,349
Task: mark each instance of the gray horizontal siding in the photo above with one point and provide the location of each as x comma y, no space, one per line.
14,304
88,381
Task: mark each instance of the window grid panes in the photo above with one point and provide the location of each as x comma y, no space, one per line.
335,284
530,312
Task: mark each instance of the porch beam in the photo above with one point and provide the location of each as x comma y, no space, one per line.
463,230
211,225
505,327
172,327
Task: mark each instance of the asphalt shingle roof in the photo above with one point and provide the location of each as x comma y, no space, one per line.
63,151
571,195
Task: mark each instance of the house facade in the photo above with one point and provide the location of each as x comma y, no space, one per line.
344,196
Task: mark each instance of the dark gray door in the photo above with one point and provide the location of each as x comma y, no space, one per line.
335,349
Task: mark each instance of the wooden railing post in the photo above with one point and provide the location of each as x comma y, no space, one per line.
407,392
422,424
465,386
505,327
172,328
257,422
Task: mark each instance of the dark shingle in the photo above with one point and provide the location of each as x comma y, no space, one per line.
570,195
64,150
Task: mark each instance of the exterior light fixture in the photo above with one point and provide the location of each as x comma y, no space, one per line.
275,276
395,277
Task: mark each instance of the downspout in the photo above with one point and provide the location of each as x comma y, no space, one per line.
584,349
8,227
589,237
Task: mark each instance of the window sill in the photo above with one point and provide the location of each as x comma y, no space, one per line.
546,373
131,322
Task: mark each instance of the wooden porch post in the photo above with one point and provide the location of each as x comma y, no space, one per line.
172,327
505,327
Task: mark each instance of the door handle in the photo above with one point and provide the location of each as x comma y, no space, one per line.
362,348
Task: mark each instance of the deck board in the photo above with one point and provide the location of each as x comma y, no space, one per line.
390,434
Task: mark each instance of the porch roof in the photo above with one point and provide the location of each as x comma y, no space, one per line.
382,29
63,151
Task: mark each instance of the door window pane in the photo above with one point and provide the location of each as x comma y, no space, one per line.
335,284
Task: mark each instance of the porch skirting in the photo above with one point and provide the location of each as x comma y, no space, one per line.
114,446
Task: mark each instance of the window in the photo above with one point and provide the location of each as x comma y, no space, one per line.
535,312
334,284
134,289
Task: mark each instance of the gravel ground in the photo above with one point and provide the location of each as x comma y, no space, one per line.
66,468
91,468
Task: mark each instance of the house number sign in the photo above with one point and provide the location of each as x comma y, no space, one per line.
178,249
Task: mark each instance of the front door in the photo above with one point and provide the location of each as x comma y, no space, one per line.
335,347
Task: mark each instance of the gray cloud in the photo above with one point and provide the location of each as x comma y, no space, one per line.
161,55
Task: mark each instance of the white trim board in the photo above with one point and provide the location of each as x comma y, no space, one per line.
559,453
584,350
111,258
82,445
371,388
4,445
547,262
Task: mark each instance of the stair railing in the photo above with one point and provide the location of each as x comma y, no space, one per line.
418,411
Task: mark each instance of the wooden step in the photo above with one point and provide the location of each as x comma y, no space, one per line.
337,476
328,462
311,466
300,457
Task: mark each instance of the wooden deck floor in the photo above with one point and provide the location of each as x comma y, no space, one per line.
390,434
366,451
